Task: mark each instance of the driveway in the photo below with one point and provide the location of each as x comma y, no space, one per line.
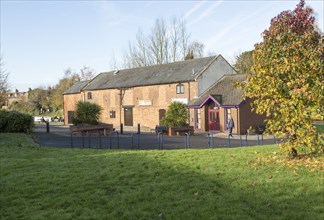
59,136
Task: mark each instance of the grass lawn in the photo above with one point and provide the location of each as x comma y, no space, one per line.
241,183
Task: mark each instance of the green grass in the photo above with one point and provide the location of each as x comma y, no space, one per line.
319,126
47,183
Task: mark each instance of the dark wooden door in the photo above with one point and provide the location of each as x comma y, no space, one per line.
70,115
162,113
213,120
128,116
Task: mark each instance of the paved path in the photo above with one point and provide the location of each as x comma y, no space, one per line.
59,136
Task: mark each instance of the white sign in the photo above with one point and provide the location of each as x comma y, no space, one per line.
144,102
182,100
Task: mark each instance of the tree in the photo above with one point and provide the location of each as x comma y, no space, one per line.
244,62
4,86
86,73
86,113
195,50
164,44
64,84
176,115
287,81
39,97
24,107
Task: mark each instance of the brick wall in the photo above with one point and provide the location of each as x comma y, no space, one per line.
70,104
249,118
146,102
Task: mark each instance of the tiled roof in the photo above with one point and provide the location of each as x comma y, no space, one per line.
76,88
151,75
231,95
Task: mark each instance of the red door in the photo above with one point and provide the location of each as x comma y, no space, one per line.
213,120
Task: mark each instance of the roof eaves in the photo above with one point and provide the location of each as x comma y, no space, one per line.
139,85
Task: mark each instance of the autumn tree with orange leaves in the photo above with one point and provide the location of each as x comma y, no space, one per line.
287,80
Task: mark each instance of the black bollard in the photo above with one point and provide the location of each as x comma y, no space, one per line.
47,127
121,128
138,128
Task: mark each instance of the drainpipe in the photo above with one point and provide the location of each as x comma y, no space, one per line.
237,120
120,104
188,101
189,90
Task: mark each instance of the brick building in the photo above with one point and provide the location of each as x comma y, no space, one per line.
15,97
142,95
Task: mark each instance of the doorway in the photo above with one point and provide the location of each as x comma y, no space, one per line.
213,117
70,116
162,113
128,116
213,120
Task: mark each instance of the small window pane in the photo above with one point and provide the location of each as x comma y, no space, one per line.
112,114
89,95
180,89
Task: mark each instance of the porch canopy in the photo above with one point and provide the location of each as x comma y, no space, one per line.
224,93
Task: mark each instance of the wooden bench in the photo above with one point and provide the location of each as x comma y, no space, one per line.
85,128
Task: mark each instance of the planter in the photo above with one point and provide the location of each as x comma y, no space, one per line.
104,129
181,131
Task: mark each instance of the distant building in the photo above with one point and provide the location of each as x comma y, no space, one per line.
15,97
142,95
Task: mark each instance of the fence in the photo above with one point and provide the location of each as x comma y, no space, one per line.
162,142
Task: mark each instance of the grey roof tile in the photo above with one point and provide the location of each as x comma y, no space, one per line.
77,87
150,75
231,95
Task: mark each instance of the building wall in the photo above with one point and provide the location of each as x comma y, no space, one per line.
213,73
234,114
248,118
16,97
146,102
223,119
70,104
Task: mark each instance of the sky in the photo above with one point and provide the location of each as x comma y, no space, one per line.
41,39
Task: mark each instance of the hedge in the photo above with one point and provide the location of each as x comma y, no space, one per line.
13,121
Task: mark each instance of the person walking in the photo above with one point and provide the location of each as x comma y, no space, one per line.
230,126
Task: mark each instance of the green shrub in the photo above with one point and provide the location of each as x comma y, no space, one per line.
176,116
86,113
25,107
12,121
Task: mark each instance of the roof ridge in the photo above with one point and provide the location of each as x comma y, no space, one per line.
163,64
181,71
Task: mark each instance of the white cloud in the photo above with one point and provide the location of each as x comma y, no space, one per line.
194,9
205,13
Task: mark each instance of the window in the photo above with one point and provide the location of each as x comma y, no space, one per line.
198,119
180,89
89,95
112,114
212,105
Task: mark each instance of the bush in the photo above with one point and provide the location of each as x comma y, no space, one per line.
24,107
12,121
86,113
176,116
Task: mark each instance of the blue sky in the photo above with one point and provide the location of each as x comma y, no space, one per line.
40,39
